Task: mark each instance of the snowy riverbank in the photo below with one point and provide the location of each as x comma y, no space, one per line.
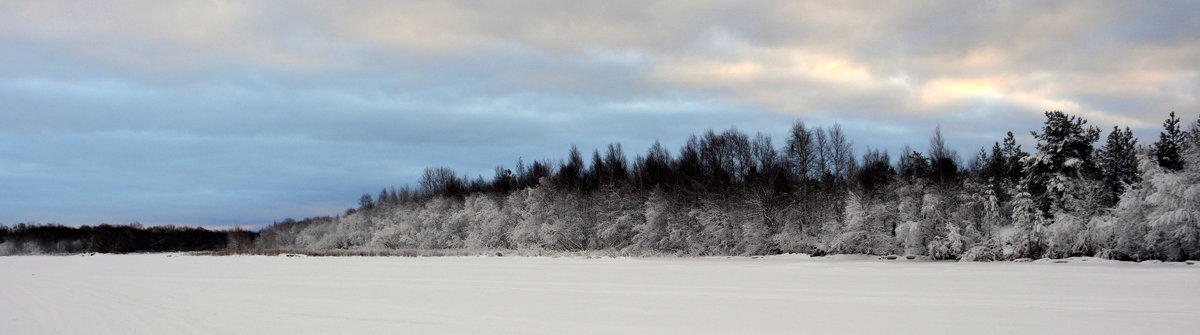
788,294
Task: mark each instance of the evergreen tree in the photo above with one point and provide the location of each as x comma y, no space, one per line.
875,174
503,182
1064,156
913,165
616,166
978,164
1193,140
1003,170
1014,158
365,202
570,174
1169,146
1118,161
383,199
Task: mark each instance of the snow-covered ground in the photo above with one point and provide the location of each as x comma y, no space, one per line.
157,294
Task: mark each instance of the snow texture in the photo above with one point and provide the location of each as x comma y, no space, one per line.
790,294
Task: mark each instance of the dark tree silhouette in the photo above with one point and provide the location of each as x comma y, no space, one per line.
1167,151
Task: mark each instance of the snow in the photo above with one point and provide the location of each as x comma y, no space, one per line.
790,294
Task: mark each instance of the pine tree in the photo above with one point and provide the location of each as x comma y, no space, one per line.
1169,146
383,199
1003,170
913,165
1193,140
1064,156
1169,204
365,202
1014,156
570,173
1118,161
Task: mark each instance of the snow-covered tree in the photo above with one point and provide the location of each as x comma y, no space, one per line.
566,226
719,235
1168,205
727,193
911,232
1064,156
949,246
1027,238
528,210
487,223
1066,236
864,229
619,210
651,233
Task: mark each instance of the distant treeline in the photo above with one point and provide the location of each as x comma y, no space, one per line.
104,238
728,193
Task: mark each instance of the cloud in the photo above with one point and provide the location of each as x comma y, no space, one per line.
231,112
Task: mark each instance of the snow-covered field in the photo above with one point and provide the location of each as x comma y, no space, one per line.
157,294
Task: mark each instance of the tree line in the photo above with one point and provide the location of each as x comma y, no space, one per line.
105,238
730,193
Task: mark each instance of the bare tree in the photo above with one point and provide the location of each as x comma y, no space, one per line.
800,151
842,152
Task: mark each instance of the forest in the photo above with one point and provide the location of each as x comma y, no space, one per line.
729,193
105,238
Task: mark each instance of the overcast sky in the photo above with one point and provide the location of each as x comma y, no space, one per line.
239,113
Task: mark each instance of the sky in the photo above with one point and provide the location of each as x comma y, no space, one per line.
219,113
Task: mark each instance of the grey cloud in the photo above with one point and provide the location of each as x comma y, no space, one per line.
240,112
